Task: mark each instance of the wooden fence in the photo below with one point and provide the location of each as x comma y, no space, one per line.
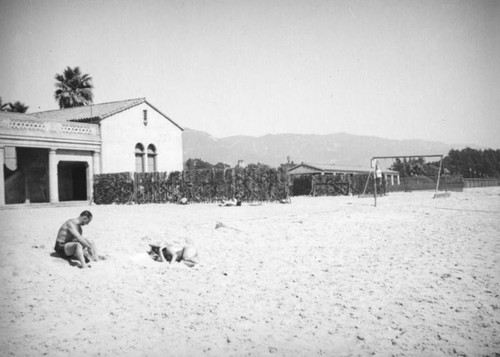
416,183
480,182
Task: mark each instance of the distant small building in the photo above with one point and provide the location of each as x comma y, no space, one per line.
51,156
332,169
344,172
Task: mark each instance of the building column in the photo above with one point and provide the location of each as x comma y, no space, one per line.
392,180
96,170
399,182
53,180
96,163
2,181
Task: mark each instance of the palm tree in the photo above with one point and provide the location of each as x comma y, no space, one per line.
74,89
16,107
4,107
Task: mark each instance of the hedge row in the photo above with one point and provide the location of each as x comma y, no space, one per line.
206,185
113,188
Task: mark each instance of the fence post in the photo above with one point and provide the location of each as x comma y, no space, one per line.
439,174
135,187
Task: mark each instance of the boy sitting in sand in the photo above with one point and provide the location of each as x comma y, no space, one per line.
169,252
71,244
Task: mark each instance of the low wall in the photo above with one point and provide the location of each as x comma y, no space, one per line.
480,182
416,183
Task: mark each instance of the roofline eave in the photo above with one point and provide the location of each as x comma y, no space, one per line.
166,117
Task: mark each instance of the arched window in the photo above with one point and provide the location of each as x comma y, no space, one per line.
139,158
151,158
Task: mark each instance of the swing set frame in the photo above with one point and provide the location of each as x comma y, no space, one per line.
374,164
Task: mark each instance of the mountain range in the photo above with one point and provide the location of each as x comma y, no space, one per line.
274,149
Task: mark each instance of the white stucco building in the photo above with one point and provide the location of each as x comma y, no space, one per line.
52,156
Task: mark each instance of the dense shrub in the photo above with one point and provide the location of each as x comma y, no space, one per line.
254,183
113,188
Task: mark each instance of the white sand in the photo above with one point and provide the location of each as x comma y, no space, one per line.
326,276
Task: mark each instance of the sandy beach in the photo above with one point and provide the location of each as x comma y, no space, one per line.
332,276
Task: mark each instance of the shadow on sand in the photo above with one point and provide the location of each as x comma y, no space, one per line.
69,260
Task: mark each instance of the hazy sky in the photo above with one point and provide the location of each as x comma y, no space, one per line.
395,69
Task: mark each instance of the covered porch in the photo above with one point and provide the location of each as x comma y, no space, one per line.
47,161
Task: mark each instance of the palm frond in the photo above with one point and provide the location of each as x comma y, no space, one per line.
74,89
18,107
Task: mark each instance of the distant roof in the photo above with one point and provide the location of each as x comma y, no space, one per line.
95,111
332,168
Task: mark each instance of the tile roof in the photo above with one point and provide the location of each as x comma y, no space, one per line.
94,111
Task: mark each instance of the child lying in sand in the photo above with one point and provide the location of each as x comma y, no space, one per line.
230,203
169,252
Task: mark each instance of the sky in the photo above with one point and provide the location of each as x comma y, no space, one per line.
405,69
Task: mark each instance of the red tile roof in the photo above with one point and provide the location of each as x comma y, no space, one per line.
94,111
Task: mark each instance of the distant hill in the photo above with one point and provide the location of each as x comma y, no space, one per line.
273,149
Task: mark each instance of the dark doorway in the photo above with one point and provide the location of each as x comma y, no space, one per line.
302,185
72,177
27,178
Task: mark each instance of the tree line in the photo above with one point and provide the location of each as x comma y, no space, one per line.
468,163
16,107
74,89
474,163
199,164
